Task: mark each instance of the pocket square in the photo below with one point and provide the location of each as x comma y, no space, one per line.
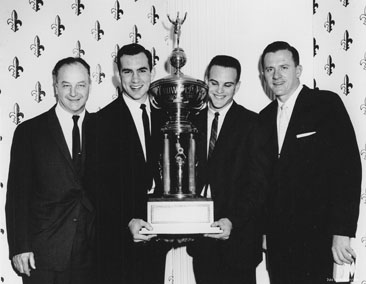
305,134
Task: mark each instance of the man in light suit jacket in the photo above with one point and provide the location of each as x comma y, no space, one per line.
229,173
121,167
49,215
313,203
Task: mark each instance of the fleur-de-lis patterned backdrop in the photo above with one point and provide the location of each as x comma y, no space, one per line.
339,31
35,34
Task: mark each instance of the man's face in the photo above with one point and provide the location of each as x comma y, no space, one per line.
136,76
72,87
222,86
281,74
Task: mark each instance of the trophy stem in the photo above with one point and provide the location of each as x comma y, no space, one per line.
191,165
166,165
178,116
180,161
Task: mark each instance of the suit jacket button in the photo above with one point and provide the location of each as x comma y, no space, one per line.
75,219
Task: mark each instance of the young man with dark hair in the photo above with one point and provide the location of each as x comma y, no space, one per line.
228,171
122,165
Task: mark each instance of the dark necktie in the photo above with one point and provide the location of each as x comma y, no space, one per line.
76,149
211,146
213,136
145,121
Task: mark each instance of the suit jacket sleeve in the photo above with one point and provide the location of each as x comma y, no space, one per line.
19,192
346,166
250,199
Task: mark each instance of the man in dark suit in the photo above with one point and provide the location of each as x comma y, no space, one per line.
121,173
315,184
49,216
229,172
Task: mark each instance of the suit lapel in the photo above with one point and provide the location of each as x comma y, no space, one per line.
134,139
270,132
298,120
83,140
224,137
226,130
56,131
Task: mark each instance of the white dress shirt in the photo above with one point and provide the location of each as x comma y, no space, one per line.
288,107
136,113
67,124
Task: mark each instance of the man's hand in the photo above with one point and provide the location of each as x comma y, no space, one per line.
225,225
135,225
342,251
24,262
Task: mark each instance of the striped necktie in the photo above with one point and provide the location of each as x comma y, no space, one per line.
213,136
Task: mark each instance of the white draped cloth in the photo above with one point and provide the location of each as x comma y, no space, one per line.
179,267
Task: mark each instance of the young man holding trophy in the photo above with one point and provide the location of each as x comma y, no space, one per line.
229,173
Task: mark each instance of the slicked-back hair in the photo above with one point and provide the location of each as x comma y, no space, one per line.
281,45
224,61
133,49
69,61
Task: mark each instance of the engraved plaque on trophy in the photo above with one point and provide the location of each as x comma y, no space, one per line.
180,210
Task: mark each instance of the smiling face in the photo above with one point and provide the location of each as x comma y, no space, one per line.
72,87
222,86
281,74
136,76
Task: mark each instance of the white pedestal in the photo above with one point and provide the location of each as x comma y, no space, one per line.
177,217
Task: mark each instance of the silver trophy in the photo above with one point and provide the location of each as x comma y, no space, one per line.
179,210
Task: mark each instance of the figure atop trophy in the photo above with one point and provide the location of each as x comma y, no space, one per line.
177,27
178,58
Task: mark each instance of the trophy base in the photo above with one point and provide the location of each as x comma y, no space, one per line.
180,217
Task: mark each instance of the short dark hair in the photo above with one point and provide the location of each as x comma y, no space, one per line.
224,61
69,61
133,49
281,45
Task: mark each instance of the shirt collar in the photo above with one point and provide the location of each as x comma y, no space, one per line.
135,105
64,115
222,111
290,103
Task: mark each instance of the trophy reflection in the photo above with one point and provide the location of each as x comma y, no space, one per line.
180,210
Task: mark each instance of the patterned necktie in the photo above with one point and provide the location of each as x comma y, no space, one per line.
213,136
283,121
145,121
76,149
211,145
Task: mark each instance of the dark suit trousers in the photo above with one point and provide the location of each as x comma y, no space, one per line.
212,273
147,264
302,261
210,268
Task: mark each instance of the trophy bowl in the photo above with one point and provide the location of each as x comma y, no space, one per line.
179,95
